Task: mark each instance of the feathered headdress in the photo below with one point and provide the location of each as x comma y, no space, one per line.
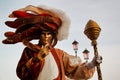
32,19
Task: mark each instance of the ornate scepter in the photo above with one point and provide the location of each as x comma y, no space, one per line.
92,31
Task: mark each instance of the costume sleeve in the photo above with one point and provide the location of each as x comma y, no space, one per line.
25,73
75,69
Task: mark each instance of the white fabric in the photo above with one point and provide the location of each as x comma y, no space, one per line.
50,69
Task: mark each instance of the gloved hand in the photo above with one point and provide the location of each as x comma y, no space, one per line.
97,60
94,62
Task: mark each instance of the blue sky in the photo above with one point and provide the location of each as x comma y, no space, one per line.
105,12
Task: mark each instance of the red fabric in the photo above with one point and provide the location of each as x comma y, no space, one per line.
21,14
53,26
9,34
58,64
32,73
11,24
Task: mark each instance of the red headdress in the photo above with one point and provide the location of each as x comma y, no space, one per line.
31,19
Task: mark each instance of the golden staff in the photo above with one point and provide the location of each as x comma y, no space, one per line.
92,31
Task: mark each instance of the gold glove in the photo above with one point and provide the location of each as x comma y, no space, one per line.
44,51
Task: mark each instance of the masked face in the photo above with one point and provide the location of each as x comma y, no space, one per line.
46,37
